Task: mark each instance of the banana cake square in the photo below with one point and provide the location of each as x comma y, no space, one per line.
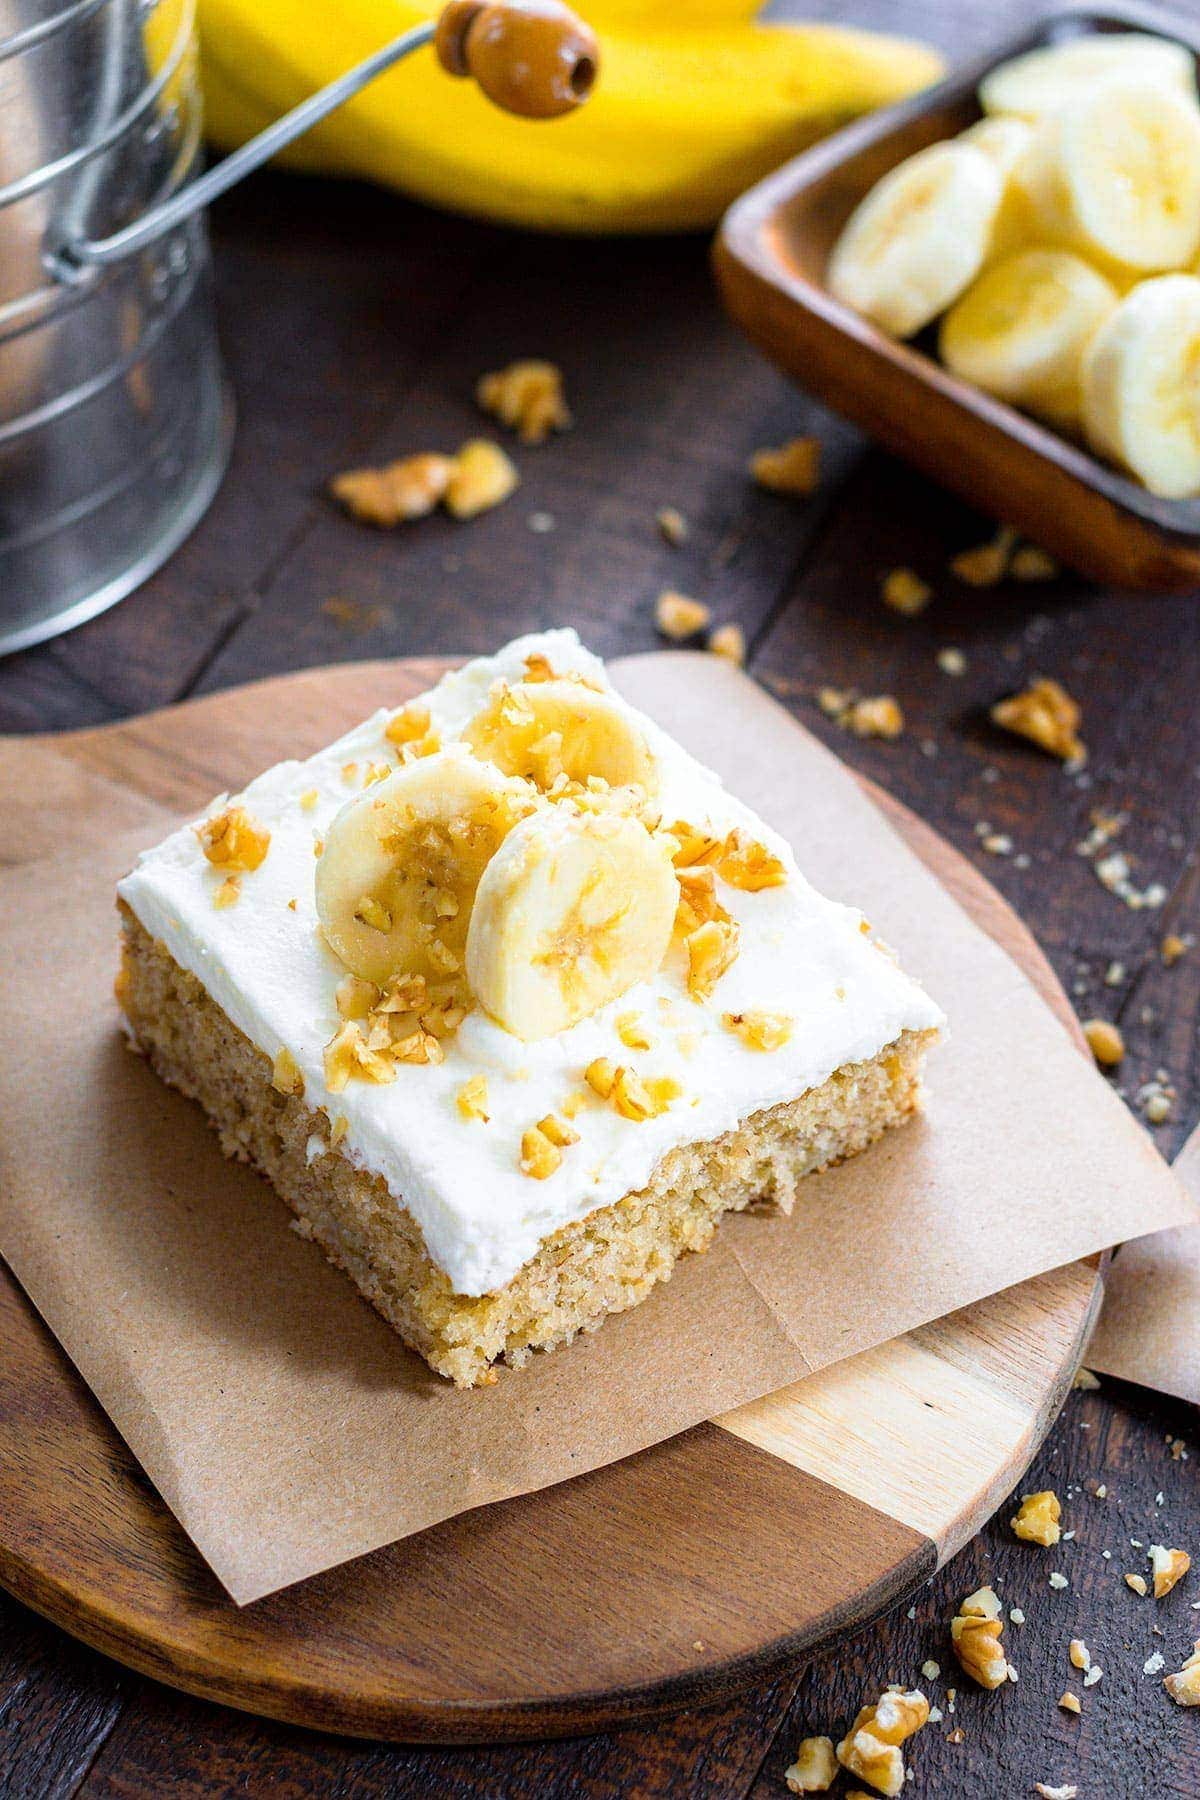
510,1000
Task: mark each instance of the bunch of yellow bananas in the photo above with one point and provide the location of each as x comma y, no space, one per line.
684,117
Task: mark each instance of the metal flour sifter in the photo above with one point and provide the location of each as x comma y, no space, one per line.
115,420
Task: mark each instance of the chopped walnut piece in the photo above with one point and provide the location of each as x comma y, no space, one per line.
878,716
871,1747
1137,1583
678,617
697,900
1080,1655
418,1047
538,668
632,1031
1172,948
672,524
539,1157
229,892
905,592
1069,1702
349,1056
526,396
1085,1379
985,564
1104,1041
695,846
975,1634
600,1075
472,1099
400,491
482,477
749,865
561,1135
711,949
815,1768
373,913
1037,1518
1045,714
286,1077
408,726
233,840
1031,563
793,468
729,643
759,1030
1068,1791
630,1096
1169,1566
833,702
1184,1685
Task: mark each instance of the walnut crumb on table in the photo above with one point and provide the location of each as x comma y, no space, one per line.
729,642
985,565
793,468
673,527
905,592
871,1747
1045,714
482,477
1169,1567
815,1768
1184,1685
528,397
406,489
1037,1519
1104,1041
975,1634
678,616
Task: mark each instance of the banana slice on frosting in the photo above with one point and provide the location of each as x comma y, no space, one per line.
396,881
549,729
572,910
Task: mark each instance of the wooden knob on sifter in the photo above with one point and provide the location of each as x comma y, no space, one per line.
531,57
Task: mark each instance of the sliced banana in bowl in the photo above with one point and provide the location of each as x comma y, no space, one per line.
1141,385
560,732
396,881
1021,330
574,909
919,237
1116,177
1044,81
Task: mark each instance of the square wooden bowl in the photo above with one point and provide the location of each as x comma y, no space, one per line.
771,254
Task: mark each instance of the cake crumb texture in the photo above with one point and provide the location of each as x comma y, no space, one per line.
601,1264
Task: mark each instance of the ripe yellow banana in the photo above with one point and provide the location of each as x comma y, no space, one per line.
683,118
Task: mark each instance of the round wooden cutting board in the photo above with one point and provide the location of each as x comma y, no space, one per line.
662,1581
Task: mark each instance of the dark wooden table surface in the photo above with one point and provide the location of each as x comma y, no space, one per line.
355,326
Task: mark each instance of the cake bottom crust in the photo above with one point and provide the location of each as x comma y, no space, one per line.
597,1265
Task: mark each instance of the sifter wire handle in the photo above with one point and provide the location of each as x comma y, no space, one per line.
530,57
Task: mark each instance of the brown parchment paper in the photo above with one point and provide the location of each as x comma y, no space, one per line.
1149,1328
283,1422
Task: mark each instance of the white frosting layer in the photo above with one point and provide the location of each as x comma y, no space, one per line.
267,968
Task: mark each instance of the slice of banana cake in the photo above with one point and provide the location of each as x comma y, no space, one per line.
511,1000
